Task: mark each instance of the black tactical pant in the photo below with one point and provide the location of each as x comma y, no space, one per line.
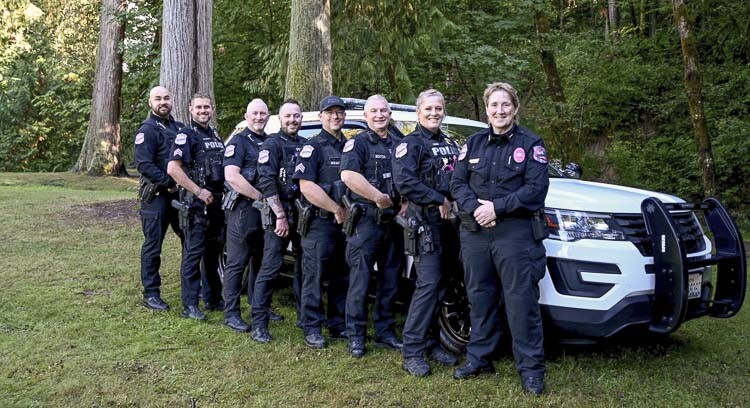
156,217
503,265
323,252
373,244
244,241
421,331
203,242
274,249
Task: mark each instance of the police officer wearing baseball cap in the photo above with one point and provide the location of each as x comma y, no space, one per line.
317,172
500,183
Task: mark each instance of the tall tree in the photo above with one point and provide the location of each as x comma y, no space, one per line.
101,152
309,73
693,86
186,54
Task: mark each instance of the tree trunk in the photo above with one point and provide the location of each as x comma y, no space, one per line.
204,51
178,52
612,15
309,75
101,154
695,100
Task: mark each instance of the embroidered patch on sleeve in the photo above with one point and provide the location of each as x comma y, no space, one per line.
139,138
540,154
180,139
462,153
177,153
229,152
263,156
300,168
306,151
401,150
349,145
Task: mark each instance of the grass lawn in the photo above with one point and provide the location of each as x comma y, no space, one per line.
72,333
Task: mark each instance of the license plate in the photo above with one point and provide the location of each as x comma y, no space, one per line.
695,284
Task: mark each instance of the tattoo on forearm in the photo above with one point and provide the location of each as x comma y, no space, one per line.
275,204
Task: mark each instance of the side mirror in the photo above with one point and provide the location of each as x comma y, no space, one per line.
573,170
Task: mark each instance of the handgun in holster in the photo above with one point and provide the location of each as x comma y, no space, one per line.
411,227
231,198
353,212
184,214
304,217
266,217
539,225
147,191
385,215
469,222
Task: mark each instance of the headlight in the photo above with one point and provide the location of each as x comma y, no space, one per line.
567,225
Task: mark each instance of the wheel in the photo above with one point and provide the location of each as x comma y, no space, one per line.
454,321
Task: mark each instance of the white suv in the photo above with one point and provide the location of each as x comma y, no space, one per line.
603,274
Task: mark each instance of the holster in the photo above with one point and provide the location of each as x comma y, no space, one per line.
147,191
539,225
231,197
410,226
266,217
468,222
353,212
304,217
385,215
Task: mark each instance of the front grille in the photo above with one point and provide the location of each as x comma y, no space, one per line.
688,228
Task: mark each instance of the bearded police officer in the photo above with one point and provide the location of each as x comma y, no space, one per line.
276,161
422,166
376,238
196,165
244,229
152,144
323,244
500,183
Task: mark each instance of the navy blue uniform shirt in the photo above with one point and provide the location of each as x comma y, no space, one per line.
509,169
422,166
276,161
320,159
152,148
242,150
371,156
199,149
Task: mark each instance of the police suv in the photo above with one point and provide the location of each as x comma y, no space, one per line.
617,257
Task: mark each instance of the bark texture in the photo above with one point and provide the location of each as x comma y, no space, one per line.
693,87
309,75
101,152
178,52
204,58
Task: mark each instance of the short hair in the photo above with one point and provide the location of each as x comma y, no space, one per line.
377,97
256,100
503,86
290,101
201,96
427,94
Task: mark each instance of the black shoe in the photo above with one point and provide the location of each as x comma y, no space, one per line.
470,369
193,312
533,385
315,340
357,348
417,367
155,303
262,335
274,317
214,306
443,357
237,324
392,343
338,334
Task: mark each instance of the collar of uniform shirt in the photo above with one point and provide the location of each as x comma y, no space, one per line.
199,128
375,138
251,134
162,119
507,136
286,136
332,139
427,133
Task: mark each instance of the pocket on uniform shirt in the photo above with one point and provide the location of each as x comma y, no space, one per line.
478,173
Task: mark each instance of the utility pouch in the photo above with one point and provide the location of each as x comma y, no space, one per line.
147,191
426,242
468,222
231,198
304,217
539,226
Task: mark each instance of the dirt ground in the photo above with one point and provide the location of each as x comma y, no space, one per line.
118,212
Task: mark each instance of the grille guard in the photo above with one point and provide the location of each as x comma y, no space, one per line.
671,264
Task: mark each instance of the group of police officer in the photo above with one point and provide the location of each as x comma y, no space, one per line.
347,206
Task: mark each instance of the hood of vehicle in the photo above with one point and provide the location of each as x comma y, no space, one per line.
571,194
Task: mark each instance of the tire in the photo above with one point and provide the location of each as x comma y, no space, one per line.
453,320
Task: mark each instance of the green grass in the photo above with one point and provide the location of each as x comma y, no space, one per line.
72,333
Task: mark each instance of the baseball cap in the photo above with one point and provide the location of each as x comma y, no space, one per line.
331,101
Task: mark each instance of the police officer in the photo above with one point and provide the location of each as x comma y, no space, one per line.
152,144
200,150
244,229
366,170
276,161
422,166
500,182
323,246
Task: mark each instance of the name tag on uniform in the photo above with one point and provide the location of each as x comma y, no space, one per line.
474,161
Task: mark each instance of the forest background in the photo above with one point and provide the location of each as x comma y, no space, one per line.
600,80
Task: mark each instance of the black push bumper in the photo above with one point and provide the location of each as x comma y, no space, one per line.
670,306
